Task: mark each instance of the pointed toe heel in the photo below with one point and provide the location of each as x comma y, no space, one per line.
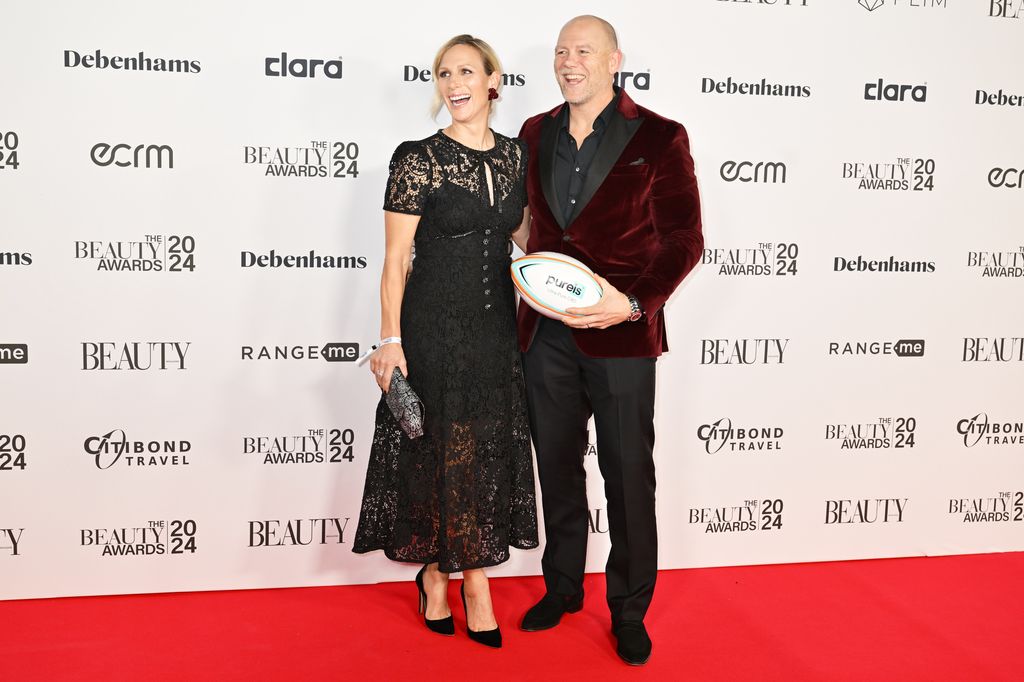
491,638
442,626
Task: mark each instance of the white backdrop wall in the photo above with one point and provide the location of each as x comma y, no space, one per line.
871,449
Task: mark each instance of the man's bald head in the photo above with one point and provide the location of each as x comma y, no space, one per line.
607,30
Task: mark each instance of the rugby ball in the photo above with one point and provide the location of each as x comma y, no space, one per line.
550,282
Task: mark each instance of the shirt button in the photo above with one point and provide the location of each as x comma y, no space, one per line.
485,241
487,292
485,267
577,169
572,201
487,306
485,253
566,238
487,231
486,280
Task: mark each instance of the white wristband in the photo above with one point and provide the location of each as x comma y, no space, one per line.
390,339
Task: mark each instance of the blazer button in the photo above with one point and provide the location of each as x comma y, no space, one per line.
566,238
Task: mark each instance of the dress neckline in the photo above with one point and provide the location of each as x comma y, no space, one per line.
444,135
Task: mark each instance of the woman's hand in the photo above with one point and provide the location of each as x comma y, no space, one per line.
383,363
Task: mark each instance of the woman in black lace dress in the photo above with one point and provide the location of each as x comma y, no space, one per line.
456,498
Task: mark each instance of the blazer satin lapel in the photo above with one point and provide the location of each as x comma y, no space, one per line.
546,165
620,131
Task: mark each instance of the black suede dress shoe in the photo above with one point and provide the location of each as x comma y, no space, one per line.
634,644
546,613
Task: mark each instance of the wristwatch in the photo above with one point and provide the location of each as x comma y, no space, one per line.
635,311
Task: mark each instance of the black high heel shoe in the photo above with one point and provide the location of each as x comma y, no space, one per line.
442,626
491,638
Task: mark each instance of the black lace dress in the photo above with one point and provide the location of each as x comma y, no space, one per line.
463,492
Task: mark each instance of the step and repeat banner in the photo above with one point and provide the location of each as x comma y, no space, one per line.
191,240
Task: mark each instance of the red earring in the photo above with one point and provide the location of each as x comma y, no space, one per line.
492,93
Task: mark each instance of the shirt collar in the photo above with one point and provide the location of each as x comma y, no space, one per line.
603,119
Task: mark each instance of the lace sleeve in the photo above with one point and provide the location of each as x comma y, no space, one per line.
524,159
409,180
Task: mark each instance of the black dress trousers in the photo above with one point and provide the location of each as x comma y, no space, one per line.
564,387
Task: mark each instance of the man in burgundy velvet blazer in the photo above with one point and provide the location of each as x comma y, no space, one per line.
611,184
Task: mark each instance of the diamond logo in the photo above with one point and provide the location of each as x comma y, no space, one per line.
871,5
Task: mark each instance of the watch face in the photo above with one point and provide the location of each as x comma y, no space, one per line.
635,315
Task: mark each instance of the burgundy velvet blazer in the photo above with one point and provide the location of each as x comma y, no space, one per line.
636,222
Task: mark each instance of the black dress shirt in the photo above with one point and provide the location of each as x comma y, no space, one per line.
572,163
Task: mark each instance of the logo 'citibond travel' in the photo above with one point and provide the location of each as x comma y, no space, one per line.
878,510
993,349
907,174
312,260
291,532
880,91
9,150
859,264
1004,507
139,62
316,446
158,155
978,429
134,355
331,352
762,88
151,538
283,67
904,348
13,353
997,263
152,253
321,159
887,432
771,172
1013,178
766,259
722,434
752,515
114,446
742,351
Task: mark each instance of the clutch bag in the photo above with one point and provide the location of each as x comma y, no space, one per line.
405,405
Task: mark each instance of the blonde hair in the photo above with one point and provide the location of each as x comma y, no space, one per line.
487,54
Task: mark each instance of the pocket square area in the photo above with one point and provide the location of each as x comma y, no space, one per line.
637,162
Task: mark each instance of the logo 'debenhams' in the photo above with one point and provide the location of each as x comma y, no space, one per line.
150,539
9,150
742,351
1005,507
316,446
872,5
15,258
10,538
880,91
331,352
12,452
114,447
904,348
1006,9
906,174
979,429
878,510
123,155
993,349
763,260
139,62
997,263
751,516
320,159
134,355
721,434
769,172
291,532
711,86
311,260
412,74
860,264
998,99
152,253
282,66
13,353
1011,178
887,432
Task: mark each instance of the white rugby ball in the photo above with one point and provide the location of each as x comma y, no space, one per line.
550,282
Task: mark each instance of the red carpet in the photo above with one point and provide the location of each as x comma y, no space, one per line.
946,618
